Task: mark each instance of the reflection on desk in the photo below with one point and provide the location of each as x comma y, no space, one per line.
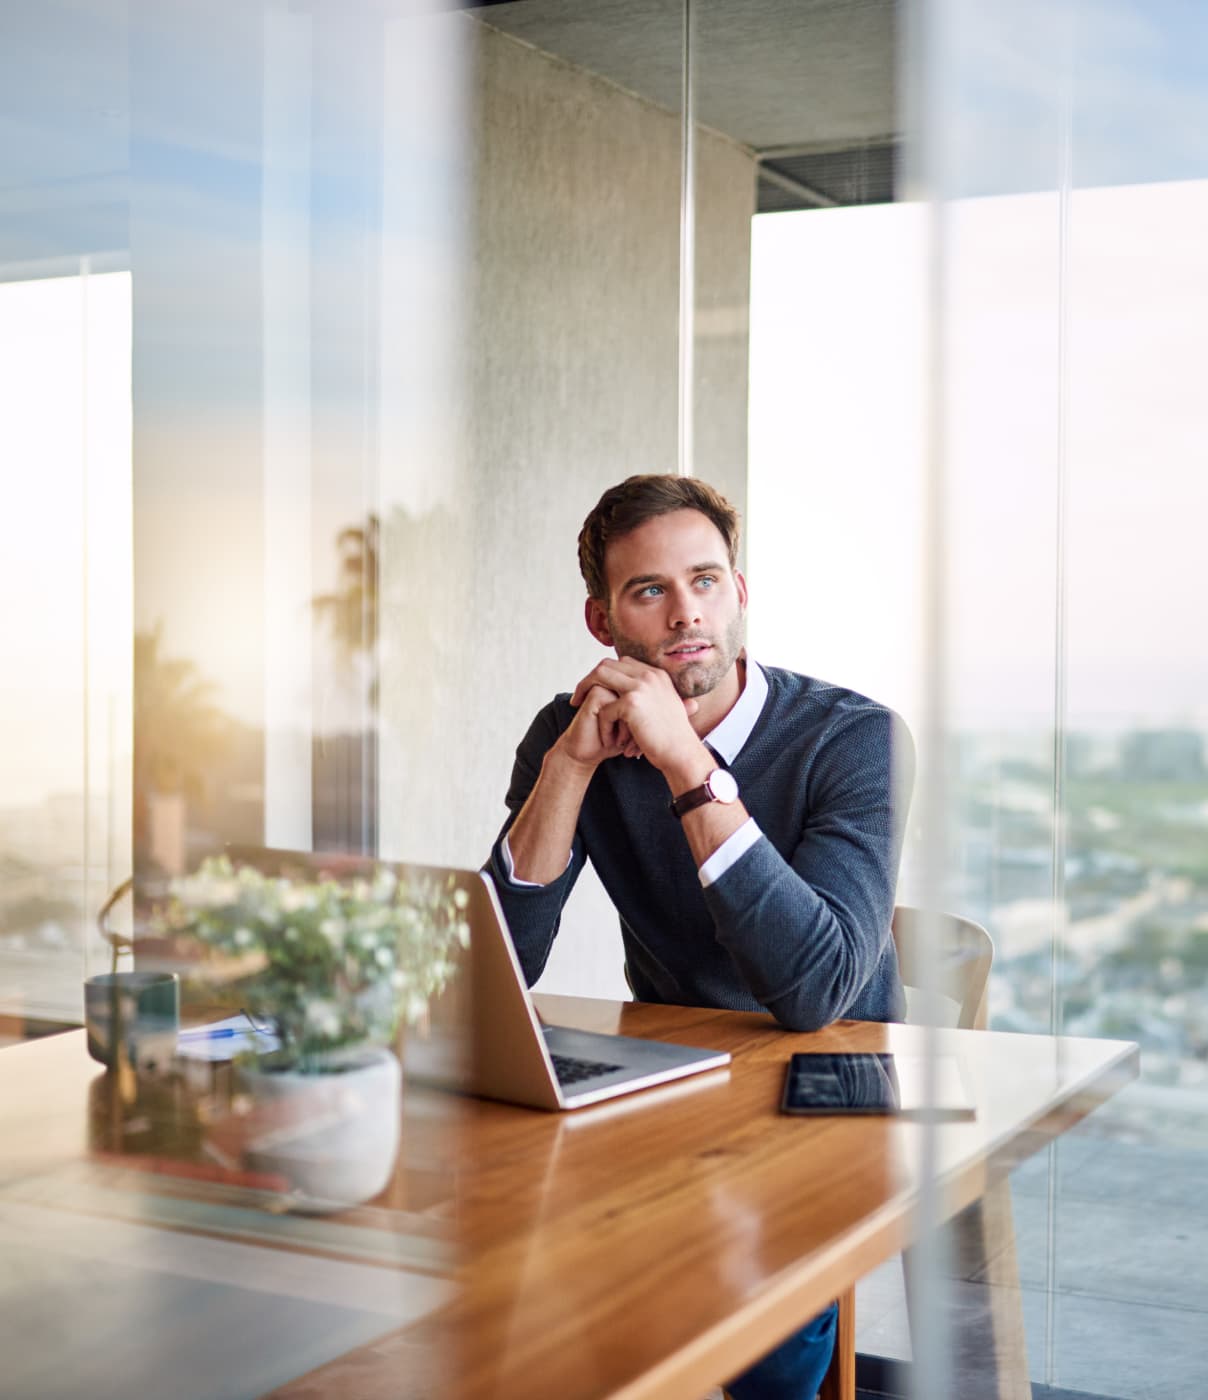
133,1266
650,1247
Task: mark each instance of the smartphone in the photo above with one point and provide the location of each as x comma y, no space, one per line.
871,1082
851,1083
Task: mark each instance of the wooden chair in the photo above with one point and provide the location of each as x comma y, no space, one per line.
983,1234
962,972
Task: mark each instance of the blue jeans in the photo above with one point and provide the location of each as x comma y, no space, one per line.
795,1369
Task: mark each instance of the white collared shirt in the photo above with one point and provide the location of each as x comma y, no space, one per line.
726,739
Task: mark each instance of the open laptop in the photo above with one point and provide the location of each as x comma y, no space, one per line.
519,1059
485,1036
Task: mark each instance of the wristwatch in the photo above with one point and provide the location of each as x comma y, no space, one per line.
719,786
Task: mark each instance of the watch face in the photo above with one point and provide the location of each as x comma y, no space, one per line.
723,785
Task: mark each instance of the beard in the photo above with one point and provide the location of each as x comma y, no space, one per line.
696,678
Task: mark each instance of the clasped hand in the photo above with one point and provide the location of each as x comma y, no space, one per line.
628,708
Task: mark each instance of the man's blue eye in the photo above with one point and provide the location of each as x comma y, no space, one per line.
706,581
649,591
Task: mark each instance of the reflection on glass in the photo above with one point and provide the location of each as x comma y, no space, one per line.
221,225
183,741
64,810
1074,278
320,331
328,952
318,963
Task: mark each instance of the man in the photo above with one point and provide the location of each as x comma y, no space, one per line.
741,818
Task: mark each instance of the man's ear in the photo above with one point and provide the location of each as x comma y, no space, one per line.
741,585
595,614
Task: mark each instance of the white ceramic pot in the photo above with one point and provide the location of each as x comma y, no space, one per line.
333,1136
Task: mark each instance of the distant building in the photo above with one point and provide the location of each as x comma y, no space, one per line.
1163,756
20,880
1091,755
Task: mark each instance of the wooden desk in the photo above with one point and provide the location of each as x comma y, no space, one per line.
134,1266
654,1246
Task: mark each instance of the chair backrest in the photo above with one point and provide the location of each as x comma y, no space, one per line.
962,971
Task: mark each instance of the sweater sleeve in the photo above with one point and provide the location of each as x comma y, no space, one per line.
533,912
808,931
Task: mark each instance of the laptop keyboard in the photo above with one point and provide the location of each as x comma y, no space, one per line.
572,1071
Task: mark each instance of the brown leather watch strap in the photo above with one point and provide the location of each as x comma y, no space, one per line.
719,786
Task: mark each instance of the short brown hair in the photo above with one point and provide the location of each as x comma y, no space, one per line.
639,499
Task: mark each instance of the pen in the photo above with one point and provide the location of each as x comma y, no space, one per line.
221,1033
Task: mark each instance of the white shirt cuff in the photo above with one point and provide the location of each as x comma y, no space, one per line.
509,867
731,850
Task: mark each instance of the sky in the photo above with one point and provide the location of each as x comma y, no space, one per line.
1072,374
838,535
65,534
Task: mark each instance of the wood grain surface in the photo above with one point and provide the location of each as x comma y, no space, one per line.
658,1244
653,1246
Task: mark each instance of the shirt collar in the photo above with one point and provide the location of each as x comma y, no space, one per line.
727,738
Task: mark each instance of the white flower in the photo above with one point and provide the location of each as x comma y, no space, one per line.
333,929
209,894
387,944
384,884
417,1004
323,1017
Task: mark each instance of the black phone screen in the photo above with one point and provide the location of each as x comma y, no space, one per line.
853,1083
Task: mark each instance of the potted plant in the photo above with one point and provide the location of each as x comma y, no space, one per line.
333,967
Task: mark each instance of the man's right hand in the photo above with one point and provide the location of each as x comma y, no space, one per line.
589,740
540,838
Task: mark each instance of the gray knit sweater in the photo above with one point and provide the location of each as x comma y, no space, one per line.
800,924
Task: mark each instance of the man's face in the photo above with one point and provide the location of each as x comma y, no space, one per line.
673,601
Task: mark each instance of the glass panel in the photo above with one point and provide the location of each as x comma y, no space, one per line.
1131,953
65,839
992,157
401,291
572,376
1123,257
840,526
1066,243
230,237
65,327
325,326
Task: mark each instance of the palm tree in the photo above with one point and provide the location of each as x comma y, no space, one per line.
351,612
179,730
